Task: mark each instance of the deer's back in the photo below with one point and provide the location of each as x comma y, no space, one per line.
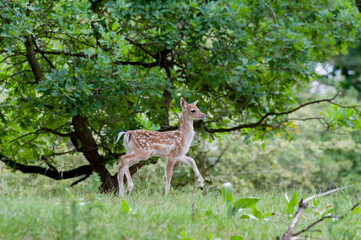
158,144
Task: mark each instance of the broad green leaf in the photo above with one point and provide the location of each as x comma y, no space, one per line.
244,203
227,193
357,210
292,203
236,238
257,213
125,206
228,197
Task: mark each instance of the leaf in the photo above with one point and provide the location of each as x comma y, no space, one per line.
257,213
236,238
291,204
315,203
227,193
357,210
125,206
228,197
248,216
244,203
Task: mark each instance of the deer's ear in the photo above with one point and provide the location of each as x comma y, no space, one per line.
195,103
183,103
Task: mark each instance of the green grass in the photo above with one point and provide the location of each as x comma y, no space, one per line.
38,208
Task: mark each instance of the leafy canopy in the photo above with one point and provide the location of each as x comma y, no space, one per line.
123,64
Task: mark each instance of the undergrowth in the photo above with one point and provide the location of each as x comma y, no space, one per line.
34,207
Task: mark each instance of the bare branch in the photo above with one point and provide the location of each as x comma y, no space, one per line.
51,173
260,122
62,153
80,180
60,53
45,130
269,8
217,160
314,223
326,193
30,55
140,46
323,218
301,208
138,63
133,63
43,55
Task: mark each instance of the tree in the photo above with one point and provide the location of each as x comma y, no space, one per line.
79,71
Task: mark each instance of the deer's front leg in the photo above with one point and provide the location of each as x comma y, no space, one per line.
168,173
190,161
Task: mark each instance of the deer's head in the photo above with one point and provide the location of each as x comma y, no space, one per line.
191,111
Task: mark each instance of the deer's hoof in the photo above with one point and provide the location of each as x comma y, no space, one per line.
129,189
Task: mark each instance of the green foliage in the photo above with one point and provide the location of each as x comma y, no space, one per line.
125,206
292,203
113,61
234,207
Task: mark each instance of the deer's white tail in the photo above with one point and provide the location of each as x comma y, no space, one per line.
120,135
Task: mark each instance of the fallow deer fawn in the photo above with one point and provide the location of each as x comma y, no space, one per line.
172,145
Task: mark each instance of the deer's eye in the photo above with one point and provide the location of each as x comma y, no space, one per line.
193,111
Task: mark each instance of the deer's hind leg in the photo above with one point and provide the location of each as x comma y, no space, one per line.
127,161
168,173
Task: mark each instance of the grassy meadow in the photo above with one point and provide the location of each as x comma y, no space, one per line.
34,207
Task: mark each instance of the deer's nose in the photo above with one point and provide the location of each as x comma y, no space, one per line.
204,115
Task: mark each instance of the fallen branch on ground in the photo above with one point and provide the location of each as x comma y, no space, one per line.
302,207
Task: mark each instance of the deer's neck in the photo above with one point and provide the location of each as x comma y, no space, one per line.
186,128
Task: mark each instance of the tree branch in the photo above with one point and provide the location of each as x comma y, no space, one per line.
43,55
30,55
51,173
314,223
61,53
136,63
326,193
80,180
323,218
264,117
141,47
45,130
301,208
273,12
358,5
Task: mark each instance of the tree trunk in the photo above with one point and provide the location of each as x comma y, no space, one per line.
90,151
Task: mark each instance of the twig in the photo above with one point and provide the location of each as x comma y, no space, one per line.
323,218
273,13
313,224
269,114
80,180
326,193
217,160
12,10
301,208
